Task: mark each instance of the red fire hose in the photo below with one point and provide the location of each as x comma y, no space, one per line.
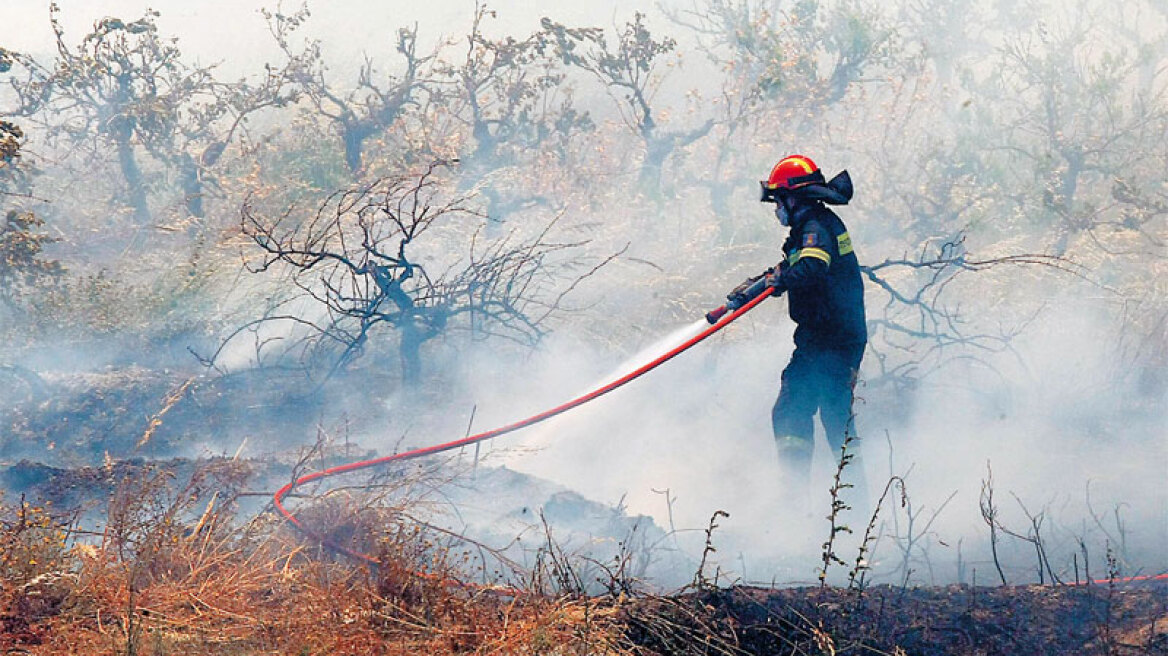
278,498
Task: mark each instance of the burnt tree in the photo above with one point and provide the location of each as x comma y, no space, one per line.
628,71
364,111
125,91
916,318
23,267
368,256
515,95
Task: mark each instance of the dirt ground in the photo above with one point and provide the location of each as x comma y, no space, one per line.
949,621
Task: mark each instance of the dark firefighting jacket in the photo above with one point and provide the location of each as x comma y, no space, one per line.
821,277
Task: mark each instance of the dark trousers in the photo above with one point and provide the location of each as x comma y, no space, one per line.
818,379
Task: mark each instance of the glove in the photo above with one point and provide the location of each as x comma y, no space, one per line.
775,279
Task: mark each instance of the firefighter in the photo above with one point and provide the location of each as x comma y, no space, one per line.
820,275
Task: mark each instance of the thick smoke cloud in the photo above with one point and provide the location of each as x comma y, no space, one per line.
1060,431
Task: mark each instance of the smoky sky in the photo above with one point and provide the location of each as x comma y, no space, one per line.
234,32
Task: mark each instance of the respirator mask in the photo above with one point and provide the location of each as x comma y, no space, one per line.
782,213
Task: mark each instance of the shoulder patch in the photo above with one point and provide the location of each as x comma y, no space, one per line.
844,242
810,240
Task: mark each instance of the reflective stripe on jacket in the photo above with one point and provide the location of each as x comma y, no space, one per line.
825,291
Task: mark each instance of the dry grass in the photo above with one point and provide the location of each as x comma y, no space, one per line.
173,571
166,576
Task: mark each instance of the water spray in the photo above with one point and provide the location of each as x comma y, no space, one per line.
739,302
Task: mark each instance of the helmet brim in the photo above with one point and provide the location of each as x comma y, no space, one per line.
767,194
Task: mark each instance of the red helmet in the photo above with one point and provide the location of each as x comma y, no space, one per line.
794,172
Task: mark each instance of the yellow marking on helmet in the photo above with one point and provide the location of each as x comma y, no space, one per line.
803,163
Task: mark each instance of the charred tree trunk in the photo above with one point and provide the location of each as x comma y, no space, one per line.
656,151
192,185
354,133
658,148
410,349
122,128
410,334
1062,201
135,185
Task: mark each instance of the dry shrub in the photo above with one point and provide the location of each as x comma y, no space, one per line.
173,572
35,577
32,541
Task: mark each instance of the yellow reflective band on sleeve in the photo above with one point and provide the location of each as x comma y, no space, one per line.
817,253
845,244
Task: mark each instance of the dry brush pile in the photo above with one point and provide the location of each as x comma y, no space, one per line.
173,570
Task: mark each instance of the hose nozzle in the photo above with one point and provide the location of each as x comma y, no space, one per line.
743,294
713,316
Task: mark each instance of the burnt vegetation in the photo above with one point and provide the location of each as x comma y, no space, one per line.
218,277
355,260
